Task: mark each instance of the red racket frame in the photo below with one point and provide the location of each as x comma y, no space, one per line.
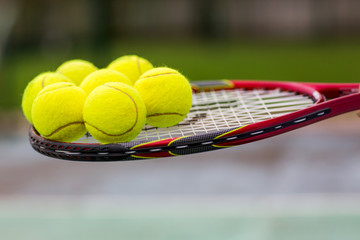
344,98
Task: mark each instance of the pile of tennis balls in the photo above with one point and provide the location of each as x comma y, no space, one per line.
113,104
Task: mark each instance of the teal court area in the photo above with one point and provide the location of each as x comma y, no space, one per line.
301,185
296,217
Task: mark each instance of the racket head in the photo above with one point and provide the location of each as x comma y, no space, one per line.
224,113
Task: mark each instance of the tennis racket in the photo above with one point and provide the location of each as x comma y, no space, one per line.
224,113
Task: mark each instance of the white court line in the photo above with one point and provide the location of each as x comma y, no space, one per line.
119,207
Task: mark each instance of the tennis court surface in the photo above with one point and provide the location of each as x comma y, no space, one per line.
301,185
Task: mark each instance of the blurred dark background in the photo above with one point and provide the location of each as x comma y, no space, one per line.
297,40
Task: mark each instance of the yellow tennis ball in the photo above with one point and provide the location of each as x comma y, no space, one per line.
76,70
103,76
167,95
114,112
58,112
131,66
35,86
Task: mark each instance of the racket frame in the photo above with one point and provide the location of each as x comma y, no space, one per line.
344,98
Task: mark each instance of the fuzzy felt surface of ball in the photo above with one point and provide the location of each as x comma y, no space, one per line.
114,112
58,112
131,66
35,86
103,76
76,70
167,95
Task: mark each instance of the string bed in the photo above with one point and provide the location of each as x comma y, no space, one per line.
218,110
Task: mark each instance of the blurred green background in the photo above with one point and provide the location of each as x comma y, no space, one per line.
301,185
309,61
275,40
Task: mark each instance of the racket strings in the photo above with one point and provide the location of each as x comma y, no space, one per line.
219,110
